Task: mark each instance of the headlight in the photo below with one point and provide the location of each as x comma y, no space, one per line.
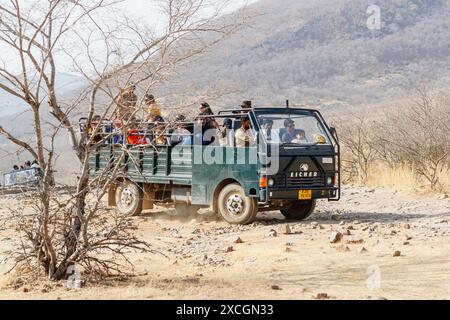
271,182
330,181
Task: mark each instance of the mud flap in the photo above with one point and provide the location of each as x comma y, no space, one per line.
112,196
149,196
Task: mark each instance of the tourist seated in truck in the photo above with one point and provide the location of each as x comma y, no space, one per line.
290,133
181,136
300,138
160,137
224,133
244,135
126,106
206,121
154,111
94,131
269,133
117,131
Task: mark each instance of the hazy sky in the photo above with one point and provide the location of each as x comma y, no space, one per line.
146,11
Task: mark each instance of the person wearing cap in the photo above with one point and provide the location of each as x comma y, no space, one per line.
126,108
154,112
244,135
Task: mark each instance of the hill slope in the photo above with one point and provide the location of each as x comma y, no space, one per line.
323,51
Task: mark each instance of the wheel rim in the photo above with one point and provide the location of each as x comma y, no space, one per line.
127,198
235,204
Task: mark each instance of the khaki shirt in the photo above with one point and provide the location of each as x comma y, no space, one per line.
245,138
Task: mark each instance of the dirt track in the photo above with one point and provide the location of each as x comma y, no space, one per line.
299,265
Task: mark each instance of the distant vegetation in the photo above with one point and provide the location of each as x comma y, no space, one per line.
323,50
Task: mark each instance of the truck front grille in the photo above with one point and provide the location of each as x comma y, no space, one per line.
281,181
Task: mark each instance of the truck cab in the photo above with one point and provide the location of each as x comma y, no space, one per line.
292,159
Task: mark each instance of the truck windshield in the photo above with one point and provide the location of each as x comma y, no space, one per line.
294,129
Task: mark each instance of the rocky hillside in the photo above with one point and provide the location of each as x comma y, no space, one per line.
322,52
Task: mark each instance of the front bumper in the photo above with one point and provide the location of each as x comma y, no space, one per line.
266,195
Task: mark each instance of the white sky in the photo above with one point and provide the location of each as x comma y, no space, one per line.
145,11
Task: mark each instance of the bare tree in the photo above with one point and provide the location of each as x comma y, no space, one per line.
358,142
418,135
110,56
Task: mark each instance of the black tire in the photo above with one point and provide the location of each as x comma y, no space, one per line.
129,198
186,209
300,210
235,207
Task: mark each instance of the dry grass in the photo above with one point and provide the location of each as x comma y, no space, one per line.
405,179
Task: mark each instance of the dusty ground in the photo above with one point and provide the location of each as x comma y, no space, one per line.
302,264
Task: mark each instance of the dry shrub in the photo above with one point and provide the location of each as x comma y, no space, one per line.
405,145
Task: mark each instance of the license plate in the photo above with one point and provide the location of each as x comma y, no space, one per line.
305,195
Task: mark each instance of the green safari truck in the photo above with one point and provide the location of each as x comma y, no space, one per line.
291,160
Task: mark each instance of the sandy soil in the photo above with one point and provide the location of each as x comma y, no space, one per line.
278,259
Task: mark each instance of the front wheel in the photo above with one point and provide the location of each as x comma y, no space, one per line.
300,210
129,198
235,207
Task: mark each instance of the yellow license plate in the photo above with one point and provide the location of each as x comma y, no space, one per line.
305,195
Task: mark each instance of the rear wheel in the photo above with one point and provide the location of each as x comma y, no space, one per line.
129,198
300,210
235,207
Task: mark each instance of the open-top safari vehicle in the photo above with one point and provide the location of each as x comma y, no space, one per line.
274,173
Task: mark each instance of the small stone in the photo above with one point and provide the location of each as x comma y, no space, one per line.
25,289
238,241
342,223
443,197
406,243
362,250
342,248
272,234
275,287
336,217
350,227
229,250
355,240
347,232
407,226
286,230
336,237
408,238
397,253
322,296
288,249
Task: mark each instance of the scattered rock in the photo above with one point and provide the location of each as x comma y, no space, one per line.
407,226
229,249
443,197
275,287
336,217
322,296
362,250
286,229
238,241
288,249
397,253
350,227
355,240
272,234
342,223
406,243
336,237
408,238
347,232
342,248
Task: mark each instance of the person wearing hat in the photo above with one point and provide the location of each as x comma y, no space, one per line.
154,112
126,108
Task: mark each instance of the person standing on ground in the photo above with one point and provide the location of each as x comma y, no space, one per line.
126,108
